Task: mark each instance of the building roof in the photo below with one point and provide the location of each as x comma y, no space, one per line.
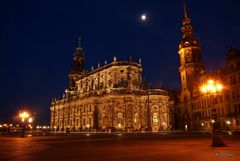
233,53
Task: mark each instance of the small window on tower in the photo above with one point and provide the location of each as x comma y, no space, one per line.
186,43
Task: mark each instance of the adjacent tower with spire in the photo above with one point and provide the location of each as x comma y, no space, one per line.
191,66
77,66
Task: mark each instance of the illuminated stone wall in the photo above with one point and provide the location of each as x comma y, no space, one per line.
112,97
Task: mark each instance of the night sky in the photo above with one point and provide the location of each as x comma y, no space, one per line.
38,39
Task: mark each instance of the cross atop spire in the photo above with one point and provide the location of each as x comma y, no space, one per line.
79,50
185,10
79,43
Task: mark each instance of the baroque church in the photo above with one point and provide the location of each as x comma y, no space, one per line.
111,97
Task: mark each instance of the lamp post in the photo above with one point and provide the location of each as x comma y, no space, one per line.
148,107
25,118
213,88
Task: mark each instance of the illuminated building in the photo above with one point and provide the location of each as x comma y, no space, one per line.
111,96
195,110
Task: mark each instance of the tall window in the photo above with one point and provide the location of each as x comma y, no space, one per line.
84,121
120,119
90,121
135,118
155,119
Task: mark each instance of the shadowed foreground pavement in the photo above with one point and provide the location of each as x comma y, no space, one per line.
117,148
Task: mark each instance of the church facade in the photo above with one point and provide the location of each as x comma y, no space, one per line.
110,97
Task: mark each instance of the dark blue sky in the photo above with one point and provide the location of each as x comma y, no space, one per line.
38,39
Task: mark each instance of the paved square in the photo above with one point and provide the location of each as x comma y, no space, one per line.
118,148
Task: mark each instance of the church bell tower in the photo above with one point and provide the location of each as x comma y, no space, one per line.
77,66
191,65
191,68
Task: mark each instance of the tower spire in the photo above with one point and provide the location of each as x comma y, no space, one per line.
77,65
79,43
79,50
185,10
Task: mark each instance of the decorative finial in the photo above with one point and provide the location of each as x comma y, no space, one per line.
140,61
79,42
105,62
185,10
98,65
114,58
92,68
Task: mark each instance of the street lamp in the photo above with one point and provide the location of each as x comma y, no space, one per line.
88,127
212,88
202,127
228,122
25,117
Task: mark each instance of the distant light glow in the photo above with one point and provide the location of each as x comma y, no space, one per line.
210,81
219,87
30,126
143,17
30,120
23,115
119,125
204,89
228,122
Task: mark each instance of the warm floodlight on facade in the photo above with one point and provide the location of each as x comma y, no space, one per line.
228,122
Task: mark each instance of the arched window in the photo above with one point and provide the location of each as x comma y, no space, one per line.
155,119
135,117
84,121
120,119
